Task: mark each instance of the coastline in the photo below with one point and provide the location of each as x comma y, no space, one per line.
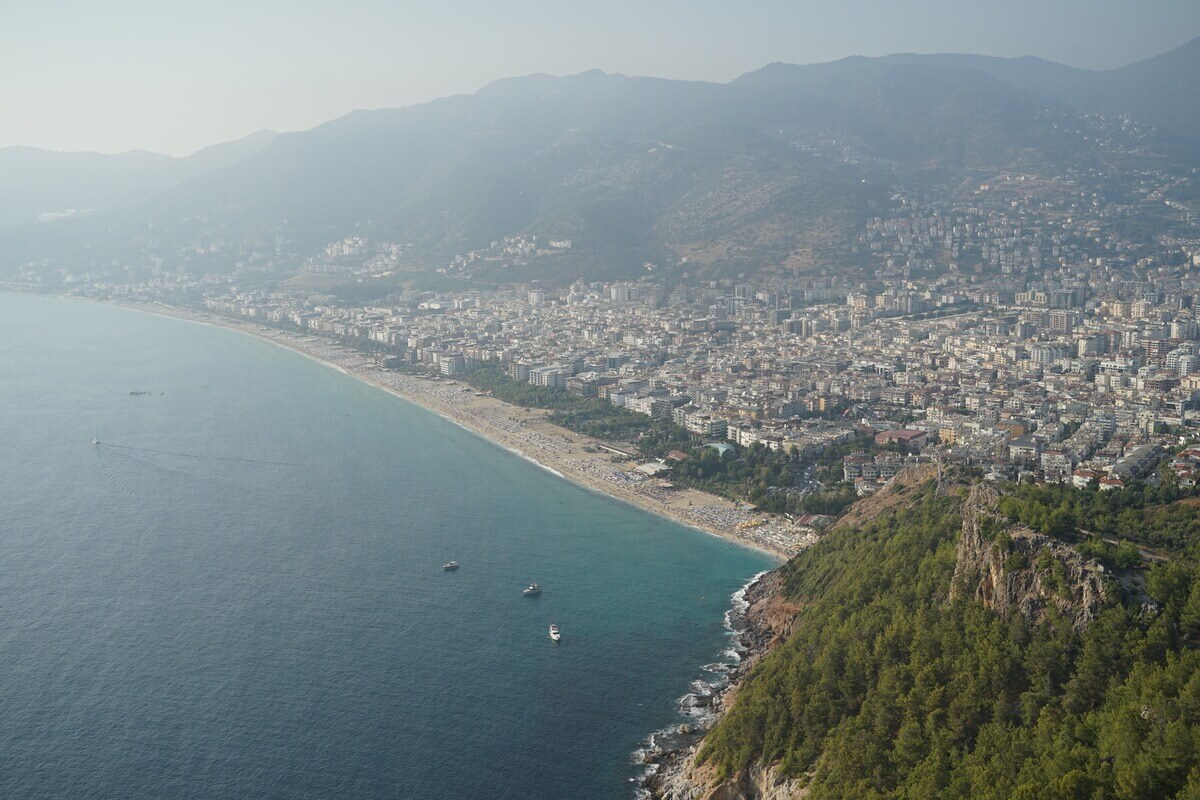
525,433
756,621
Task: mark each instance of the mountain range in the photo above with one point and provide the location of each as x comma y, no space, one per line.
50,183
774,169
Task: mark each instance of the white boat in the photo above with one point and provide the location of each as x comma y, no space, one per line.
531,590
453,565
554,634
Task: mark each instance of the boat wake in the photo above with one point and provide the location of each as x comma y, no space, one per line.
195,456
122,477
697,709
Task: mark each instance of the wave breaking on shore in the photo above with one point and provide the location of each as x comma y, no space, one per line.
698,708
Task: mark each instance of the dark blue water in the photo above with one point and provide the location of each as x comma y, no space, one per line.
240,593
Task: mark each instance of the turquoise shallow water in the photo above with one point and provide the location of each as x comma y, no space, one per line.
240,594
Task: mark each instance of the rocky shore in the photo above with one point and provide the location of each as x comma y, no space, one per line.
759,619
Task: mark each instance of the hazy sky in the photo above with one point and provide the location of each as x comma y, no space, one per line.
173,77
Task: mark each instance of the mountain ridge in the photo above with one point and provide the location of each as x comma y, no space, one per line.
773,169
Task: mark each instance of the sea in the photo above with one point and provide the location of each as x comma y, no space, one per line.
239,593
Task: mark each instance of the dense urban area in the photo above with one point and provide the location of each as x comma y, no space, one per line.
1024,327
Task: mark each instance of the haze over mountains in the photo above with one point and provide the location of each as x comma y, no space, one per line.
1159,91
774,169
49,182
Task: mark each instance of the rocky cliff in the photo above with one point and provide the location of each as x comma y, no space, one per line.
1014,570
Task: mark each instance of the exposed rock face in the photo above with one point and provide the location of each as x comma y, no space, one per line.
756,783
899,491
1025,572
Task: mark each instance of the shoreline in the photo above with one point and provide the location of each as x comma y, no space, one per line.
522,432
699,708
668,756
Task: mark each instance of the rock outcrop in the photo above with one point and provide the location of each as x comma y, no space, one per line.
1015,570
696,783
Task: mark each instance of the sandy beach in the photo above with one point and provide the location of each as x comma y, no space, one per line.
526,432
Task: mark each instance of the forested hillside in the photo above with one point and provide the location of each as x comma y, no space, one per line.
888,688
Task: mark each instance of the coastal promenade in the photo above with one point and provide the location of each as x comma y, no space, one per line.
527,432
